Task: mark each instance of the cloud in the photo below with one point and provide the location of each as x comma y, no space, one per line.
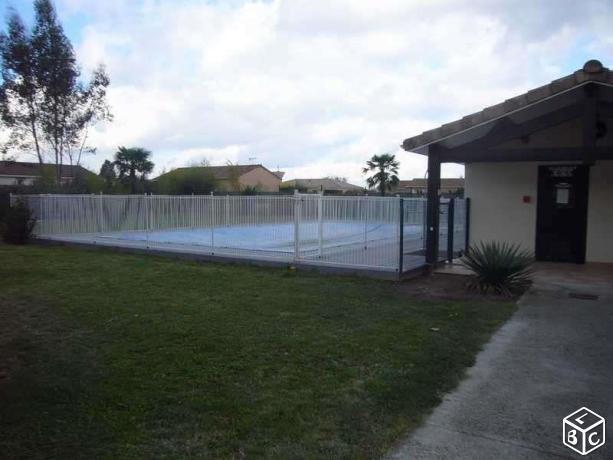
316,87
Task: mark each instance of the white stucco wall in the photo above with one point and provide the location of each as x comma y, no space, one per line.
600,213
498,212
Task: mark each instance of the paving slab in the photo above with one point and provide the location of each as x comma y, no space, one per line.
554,356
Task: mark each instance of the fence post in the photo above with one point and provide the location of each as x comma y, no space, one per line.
401,237
466,223
365,212
296,225
320,223
39,218
358,212
100,227
147,211
424,231
227,210
39,229
212,217
450,228
192,211
48,209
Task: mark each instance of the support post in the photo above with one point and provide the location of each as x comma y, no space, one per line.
434,179
450,228
467,223
401,237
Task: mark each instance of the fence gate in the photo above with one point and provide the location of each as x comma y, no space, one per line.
452,228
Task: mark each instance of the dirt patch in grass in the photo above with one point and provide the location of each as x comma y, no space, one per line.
439,286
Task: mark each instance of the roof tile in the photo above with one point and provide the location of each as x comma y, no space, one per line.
22,168
225,172
595,72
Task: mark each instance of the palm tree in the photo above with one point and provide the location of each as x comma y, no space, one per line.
130,161
386,168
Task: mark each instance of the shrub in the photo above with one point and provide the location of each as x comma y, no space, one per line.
18,224
250,190
4,204
500,267
186,181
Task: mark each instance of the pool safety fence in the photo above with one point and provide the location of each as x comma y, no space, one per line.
377,233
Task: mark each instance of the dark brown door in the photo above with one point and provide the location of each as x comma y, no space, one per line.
562,213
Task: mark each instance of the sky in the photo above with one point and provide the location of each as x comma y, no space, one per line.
315,87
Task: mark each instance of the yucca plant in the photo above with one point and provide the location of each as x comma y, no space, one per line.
499,267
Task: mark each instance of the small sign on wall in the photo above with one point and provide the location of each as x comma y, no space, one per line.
562,194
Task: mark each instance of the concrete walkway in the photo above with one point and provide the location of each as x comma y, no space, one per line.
554,356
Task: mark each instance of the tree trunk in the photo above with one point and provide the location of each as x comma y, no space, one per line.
133,180
35,136
58,173
82,145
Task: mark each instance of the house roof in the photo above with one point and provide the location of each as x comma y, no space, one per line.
226,172
452,182
27,169
321,184
592,71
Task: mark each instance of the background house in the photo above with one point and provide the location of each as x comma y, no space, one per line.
23,173
326,185
539,169
234,178
418,186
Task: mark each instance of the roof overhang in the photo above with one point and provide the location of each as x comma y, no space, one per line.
554,98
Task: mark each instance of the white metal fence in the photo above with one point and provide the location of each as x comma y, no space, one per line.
361,231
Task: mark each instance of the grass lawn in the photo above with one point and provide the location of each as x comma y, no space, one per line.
126,356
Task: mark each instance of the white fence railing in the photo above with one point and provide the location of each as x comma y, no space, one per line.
356,231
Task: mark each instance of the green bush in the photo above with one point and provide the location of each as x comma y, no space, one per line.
250,190
17,224
499,267
84,183
186,181
4,204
